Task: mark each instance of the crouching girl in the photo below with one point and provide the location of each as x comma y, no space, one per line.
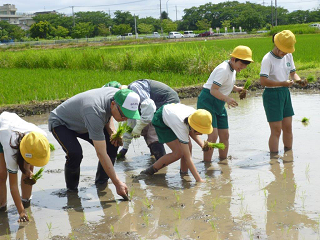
174,123
22,145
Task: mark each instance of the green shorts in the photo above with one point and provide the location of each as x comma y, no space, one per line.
215,107
277,103
165,134
1,148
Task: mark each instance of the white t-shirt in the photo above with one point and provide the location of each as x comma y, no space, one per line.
173,116
224,76
9,124
276,68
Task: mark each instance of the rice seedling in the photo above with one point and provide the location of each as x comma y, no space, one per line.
72,237
176,194
177,232
145,218
178,213
209,145
112,229
118,208
241,196
246,86
307,171
122,128
49,225
305,121
84,219
213,226
52,148
131,193
273,205
302,82
8,235
303,197
33,180
216,202
146,203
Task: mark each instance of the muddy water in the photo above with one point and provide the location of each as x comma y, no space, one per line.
252,195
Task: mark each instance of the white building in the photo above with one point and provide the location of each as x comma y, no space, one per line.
8,12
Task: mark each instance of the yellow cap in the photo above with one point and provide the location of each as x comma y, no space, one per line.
201,121
35,149
243,53
285,41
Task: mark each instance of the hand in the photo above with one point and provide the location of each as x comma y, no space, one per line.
122,190
302,82
116,142
23,217
231,102
239,89
288,83
135,133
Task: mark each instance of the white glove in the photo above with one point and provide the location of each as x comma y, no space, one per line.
136,132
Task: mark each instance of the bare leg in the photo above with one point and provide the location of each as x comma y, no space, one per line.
275,128
175,155
224,138
3,180
287,133
183,164
207,155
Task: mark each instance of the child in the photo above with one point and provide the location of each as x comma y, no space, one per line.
174,123
215,94
276,66
22,145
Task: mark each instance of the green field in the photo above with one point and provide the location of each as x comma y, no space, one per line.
47,74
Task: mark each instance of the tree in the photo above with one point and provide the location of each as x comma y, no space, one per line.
123,18
169,26
121,29
40,30
103,30
249,20
17,33
164,15
61,32
145,28
82,30
226,24
151,21
203,24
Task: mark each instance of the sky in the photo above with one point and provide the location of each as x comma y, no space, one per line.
143,8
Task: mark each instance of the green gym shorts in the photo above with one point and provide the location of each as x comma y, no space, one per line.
1,148
277,103
215,107
165,134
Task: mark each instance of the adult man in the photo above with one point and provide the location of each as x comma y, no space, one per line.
88,116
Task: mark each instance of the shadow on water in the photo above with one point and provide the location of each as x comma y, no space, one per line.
251,195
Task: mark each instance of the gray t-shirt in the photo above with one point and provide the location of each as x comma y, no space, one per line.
86,112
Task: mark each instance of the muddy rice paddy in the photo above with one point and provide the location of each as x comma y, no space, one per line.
252,195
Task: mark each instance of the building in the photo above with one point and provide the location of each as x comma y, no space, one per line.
8,12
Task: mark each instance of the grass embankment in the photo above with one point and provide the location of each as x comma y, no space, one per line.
60,73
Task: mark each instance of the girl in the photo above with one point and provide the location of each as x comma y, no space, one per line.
215,94
276,66
22,145
174,123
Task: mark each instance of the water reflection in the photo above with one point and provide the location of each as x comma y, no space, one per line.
283,222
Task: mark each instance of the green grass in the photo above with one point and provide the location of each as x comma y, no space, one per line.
295,28
47,74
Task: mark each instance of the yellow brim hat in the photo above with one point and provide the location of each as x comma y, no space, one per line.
201,121
35,149
285,41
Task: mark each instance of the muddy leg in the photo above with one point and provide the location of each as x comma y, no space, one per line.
287,132
275,128
224,138
3,179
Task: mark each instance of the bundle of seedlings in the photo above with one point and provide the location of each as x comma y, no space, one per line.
52,148
243,93
305,121
209,145
122,129
34,178
302,82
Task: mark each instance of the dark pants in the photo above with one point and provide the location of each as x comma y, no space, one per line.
71,146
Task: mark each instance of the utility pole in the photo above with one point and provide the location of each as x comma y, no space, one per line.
109,13
275,12
271,13
167,7
176,14
74,23
161,20
135,26
263,3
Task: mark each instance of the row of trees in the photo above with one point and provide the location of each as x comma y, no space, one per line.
90,24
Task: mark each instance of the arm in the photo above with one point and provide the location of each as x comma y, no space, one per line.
237,89
270,83
106,163
294,76
111,129
189,162
217,94
14,189
197,139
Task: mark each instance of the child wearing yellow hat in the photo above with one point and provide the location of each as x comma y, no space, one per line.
174,123
215,94
276,67
22,145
